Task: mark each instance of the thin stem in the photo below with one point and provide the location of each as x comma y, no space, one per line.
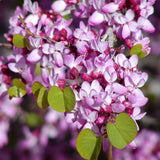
110,152
8,45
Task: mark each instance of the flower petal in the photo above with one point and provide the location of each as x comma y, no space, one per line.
125,31
146,25
59,6
34,56
110,7
96,18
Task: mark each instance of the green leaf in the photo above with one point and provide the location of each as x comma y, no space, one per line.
137,49
97,148
36,88
88,145
20,41
42,98
27,44
16,82
38,68
34,120
13,92
67,17
123,132
56,99
18,89
61,101
69,99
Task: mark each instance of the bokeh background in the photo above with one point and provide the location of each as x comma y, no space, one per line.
28,133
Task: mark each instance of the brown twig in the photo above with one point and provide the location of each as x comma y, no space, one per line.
8,45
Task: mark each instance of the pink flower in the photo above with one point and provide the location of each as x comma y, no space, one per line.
126,22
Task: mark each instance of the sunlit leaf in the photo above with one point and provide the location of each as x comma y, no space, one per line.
97,148
18,83
36,88
88,145
20,41
27,44
56,99
123,132
69,99
13,92
67,17
18,89
61,101
137,49
42,98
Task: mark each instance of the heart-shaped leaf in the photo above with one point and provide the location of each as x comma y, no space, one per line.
137,49
88,145
42,98
123,132
18,89
36,88
61,101
20,41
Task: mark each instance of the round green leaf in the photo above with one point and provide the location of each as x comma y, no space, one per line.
88,145
34,120
36,88
16,82
61,101
13,92
18,89
42,98
20,41
123,132
56,99
69,99
137,49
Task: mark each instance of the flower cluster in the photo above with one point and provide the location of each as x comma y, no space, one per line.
88,52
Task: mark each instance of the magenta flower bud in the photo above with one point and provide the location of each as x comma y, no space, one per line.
71,1
121,4
7,80
63,32
100,120
56,37
74,73
4,69
134,1
108,109
129,111
95,74
61,83
62,39
86,77
137,9
128,42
